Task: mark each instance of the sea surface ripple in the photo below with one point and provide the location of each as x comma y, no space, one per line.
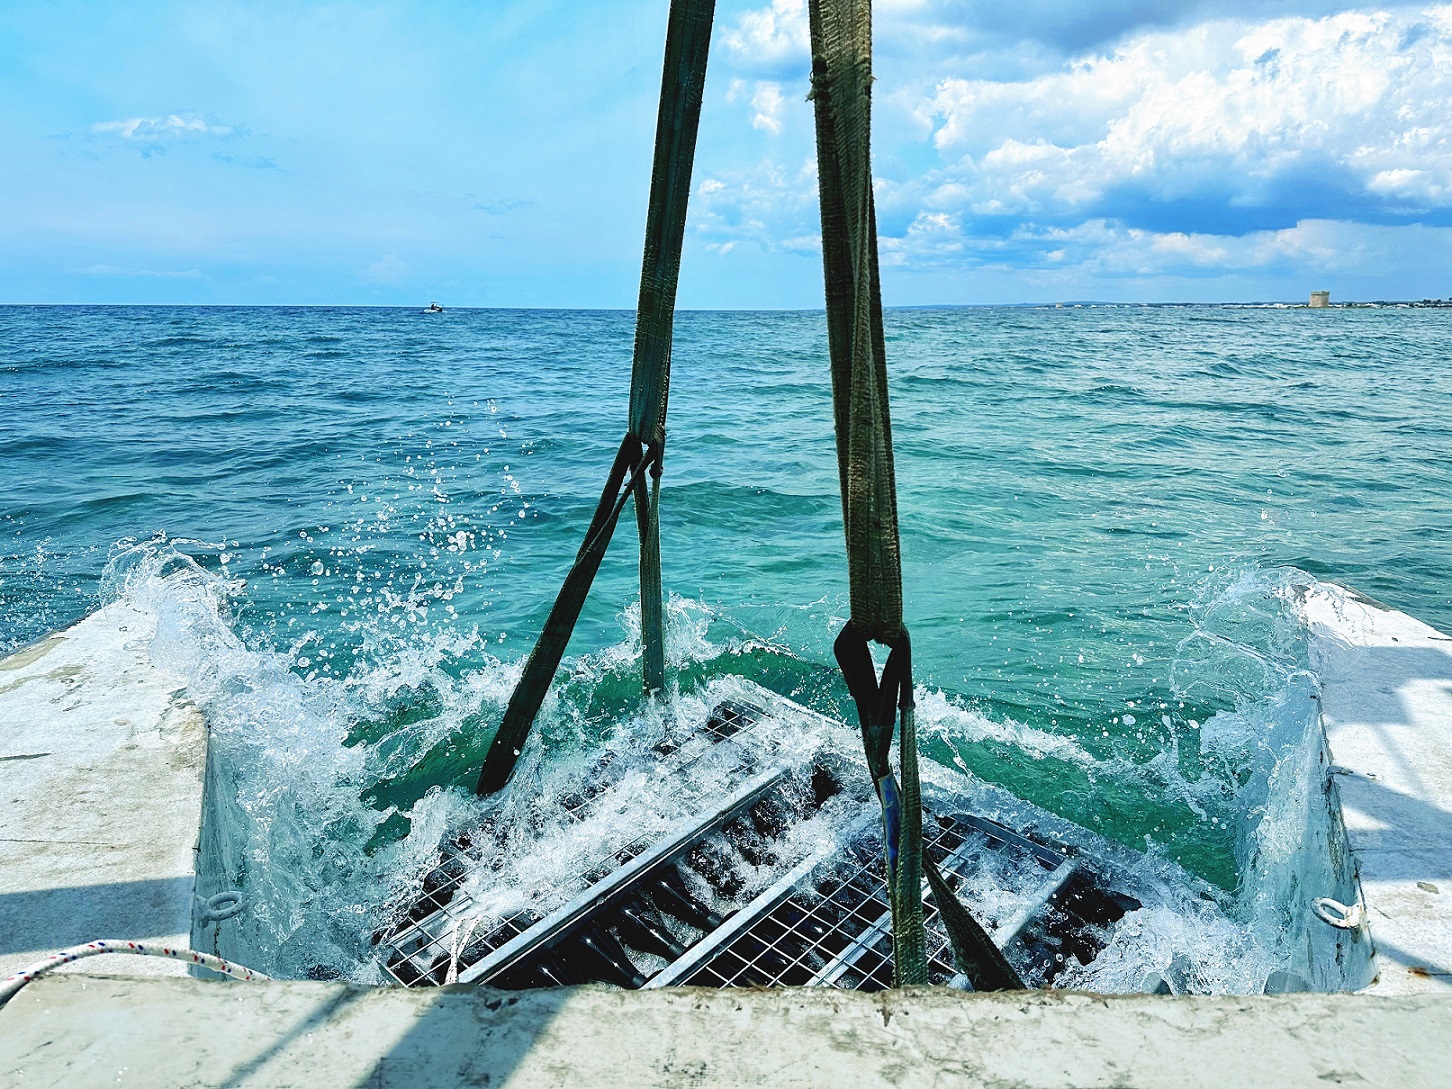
1105,511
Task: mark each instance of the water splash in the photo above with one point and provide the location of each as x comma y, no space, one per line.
341,789
1261,770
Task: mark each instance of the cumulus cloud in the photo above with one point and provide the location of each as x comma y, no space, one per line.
1105,250
966,27
772,205
765,100
1263,136
1349,109
774,40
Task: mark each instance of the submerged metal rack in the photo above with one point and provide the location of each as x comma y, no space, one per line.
830,929
441,936
647,916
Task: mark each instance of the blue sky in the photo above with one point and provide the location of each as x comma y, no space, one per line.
497,153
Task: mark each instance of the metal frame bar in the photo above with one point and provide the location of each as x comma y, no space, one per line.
432,934
743,920
842,963
1049,856
1002,935
1016,923
764,919
555,926
877,929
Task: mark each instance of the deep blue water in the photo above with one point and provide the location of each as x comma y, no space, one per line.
1095,504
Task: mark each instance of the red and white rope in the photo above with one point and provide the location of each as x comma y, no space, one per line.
111,945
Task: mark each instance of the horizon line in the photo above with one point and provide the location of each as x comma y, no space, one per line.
1038,304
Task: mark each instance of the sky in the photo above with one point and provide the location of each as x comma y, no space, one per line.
497,152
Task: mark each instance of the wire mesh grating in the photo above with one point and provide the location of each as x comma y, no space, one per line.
444,917
827,923
842,935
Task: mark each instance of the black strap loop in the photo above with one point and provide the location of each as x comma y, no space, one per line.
878,702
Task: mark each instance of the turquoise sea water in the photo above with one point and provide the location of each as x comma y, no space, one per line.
1105,512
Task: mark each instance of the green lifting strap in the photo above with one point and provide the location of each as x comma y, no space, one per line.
841,32
688,40
682,88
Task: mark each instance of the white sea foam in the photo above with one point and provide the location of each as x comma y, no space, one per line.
1263,765
943,717
321,873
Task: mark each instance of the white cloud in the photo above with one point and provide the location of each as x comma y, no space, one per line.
769,204
1107,250
766,102
1278,147
933,238
1236,108
174,126
145,273
772,38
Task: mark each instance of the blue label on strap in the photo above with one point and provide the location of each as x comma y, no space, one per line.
891,800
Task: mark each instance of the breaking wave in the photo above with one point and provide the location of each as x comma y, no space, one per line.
333,792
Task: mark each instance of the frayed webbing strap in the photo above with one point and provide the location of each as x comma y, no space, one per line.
683,79
652,612
880,704
842,98
841,94
683,82
974,953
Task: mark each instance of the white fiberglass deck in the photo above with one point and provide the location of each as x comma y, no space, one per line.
102,778
101,762
1386,705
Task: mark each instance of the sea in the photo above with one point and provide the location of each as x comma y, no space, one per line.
352,522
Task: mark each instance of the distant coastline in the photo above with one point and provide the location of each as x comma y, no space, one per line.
1382,304
1085,304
